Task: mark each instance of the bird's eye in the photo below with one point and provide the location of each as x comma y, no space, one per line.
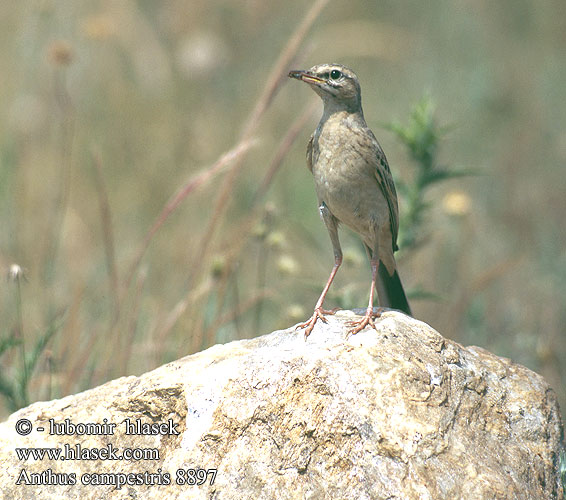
335,74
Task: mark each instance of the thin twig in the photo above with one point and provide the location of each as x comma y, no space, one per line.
283,149
107,230
20,335
68,129
126,349
194,183
281,66
235,242
274,82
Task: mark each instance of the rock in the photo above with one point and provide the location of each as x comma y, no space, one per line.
401,413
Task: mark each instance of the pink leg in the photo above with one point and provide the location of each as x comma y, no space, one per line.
359,325
319,312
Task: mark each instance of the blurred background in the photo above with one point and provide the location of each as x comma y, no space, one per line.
108,109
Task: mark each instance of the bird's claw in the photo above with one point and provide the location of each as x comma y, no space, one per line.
359,324
318,313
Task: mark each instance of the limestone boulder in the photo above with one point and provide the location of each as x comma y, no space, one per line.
398,413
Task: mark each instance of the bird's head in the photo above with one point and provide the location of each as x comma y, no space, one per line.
337,85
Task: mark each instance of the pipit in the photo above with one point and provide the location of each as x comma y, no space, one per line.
354,186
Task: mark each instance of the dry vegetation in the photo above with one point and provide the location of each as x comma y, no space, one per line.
154,197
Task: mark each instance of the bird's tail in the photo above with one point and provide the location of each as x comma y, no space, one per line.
390,291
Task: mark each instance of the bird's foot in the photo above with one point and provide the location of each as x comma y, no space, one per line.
359,324
318,313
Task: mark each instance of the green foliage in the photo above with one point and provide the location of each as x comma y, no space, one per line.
422,137
14,388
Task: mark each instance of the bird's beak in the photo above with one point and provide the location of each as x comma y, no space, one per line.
305,76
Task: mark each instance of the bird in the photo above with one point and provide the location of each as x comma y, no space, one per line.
354,187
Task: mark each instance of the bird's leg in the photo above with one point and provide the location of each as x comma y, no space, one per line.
319,312
360,324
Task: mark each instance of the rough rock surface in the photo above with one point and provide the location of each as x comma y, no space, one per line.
401,413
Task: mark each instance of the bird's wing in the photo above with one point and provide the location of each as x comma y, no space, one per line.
387,186
385,181
309,153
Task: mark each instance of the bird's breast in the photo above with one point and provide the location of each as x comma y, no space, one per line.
345,181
